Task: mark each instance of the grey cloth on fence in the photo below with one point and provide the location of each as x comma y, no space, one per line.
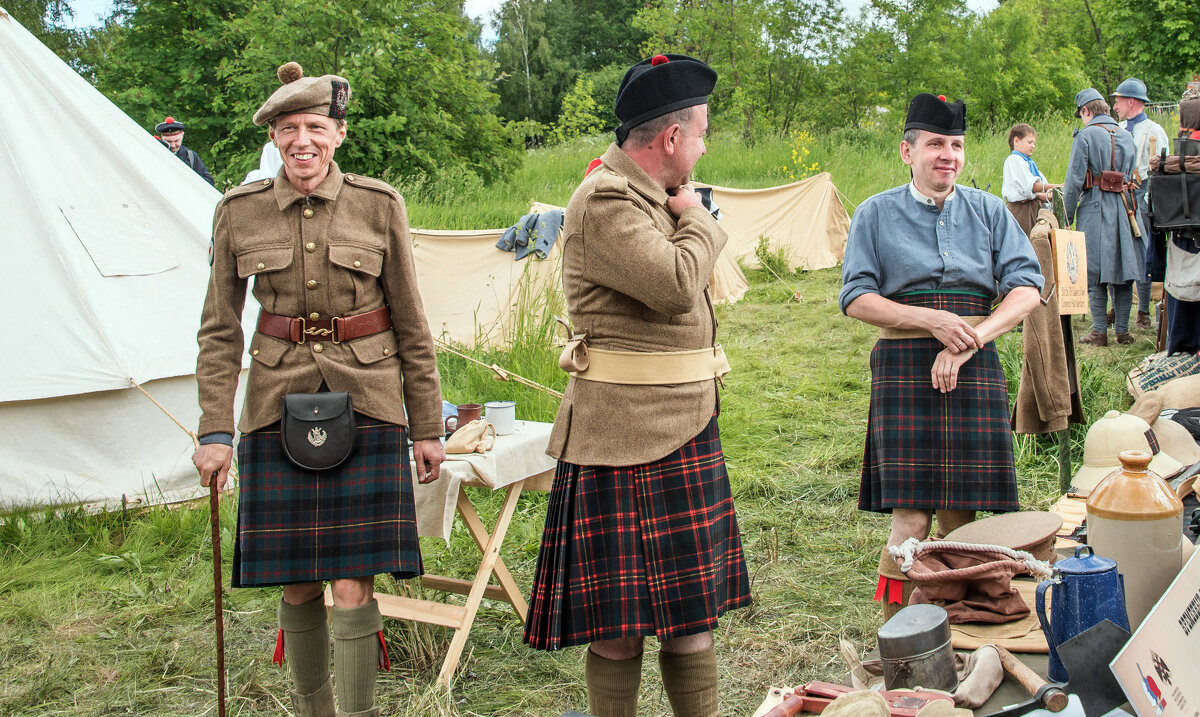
534,232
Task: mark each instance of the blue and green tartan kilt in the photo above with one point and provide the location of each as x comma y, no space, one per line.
937,451
650,549
356,520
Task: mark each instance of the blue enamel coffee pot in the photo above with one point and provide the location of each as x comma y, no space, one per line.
1086,591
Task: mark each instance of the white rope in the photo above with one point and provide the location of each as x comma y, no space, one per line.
911,548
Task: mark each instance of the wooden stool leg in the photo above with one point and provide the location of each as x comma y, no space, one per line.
491,554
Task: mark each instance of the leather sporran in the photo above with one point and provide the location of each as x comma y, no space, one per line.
317,429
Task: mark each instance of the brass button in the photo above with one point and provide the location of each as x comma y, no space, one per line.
266,182
254,352
308,212
357,264
314,316
387,352
312,283
310,247
318,348
349,177
261,266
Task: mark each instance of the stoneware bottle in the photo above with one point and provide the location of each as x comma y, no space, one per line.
1134,518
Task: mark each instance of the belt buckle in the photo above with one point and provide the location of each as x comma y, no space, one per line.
335,330
303,329
315,332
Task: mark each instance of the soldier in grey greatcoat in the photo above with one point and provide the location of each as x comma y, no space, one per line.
1115,257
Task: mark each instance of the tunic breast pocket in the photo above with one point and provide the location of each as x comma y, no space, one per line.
363,265
263,262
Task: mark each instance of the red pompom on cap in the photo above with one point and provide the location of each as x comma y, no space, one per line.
658,60
942,98
169,120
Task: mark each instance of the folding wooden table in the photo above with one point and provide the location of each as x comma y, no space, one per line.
516,463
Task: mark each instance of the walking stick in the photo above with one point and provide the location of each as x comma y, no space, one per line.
214,519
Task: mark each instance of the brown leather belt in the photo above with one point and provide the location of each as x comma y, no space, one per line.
336,329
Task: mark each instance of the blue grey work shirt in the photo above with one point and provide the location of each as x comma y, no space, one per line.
900,242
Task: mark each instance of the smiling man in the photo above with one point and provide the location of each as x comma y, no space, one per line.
925,262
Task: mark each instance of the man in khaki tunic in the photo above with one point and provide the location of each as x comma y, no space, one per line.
641,537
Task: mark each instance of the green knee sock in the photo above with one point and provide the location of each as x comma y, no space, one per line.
612,685
690,682
306,643
356,655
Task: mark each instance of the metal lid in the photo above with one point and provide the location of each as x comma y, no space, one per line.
1085,564
915,630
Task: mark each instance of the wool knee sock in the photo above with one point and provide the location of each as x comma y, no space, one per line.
613,685
356,656
691,682
306,643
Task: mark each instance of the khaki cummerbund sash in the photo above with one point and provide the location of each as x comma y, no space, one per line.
891,333
653,368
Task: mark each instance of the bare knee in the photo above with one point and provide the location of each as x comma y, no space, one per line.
300,593
622,648
688,644
950,520
909,523
352,592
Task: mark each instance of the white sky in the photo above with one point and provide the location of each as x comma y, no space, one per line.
91,12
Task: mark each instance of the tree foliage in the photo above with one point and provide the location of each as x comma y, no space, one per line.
421,101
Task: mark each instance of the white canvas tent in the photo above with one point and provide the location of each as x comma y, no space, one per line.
105,243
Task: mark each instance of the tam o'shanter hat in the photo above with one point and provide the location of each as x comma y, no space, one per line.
1107,438
933,113
659,85
169,126
326,95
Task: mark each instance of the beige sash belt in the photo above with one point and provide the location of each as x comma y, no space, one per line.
893,333
651,368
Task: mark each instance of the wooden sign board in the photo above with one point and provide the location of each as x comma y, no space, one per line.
1070,271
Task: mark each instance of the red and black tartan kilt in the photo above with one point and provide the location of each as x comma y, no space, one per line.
931,450
651,549
356,520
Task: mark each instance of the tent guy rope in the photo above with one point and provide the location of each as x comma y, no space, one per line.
501,374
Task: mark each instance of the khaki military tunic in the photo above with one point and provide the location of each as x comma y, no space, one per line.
343,250
635,279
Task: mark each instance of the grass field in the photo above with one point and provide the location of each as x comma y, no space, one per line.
112,614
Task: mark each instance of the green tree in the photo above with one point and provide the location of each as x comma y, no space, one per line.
1160,40
420,100
46,20
580,114
533,59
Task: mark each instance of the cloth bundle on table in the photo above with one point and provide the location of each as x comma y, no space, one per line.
972,582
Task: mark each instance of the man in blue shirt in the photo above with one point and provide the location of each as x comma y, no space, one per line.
925,262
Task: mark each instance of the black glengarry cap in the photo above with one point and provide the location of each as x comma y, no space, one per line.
661,84
933,113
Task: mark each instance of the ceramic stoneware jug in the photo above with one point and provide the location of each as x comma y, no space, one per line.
1086,591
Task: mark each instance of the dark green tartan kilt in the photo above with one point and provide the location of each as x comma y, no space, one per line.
650,549
931,450
356,520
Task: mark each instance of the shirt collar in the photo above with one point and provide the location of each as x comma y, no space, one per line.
928,201
286,195
624,165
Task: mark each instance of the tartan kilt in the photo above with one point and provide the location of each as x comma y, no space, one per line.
651,549
934,451
356,520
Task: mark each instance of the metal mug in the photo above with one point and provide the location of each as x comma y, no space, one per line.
502,415
467,412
